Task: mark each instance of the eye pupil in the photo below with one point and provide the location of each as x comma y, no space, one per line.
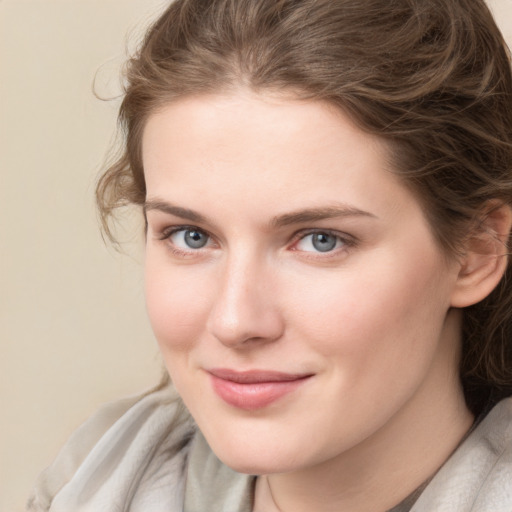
324,242
195,239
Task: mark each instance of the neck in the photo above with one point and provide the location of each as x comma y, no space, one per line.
385,468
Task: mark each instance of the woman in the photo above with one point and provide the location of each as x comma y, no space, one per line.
326,187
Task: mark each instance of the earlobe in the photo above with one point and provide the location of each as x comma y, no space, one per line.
485,258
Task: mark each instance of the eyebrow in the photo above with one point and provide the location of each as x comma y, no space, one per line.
316,214
279,221
177,211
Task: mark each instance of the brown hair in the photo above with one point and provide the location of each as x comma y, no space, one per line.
432,78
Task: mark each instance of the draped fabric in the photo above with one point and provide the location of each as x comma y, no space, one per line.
145,454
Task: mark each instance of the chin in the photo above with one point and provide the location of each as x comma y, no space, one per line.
255,466
257,456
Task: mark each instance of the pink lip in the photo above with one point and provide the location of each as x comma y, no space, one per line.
254,389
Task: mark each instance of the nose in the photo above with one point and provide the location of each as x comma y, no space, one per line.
245,310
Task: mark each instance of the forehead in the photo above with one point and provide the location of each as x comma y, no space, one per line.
272,119
286,150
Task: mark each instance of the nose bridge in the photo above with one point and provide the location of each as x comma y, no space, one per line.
243,309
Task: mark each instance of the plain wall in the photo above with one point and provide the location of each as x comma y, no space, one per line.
73,329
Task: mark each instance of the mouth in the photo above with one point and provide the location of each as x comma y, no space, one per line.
254,389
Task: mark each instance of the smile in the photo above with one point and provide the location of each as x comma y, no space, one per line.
254,389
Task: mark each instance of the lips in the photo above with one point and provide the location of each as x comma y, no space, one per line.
254,389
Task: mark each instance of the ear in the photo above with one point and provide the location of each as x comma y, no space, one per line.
485,257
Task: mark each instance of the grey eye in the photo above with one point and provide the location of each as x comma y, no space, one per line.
195,239
189,238
320,242
323,242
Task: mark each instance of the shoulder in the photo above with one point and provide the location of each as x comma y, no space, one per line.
123,457
478,476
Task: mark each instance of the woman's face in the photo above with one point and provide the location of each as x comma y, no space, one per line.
294,286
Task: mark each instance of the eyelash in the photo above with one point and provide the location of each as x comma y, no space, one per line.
348,241
166,234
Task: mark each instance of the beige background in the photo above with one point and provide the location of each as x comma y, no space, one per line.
73,331
72,322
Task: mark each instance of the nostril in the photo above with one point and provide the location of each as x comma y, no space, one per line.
244,311
245,323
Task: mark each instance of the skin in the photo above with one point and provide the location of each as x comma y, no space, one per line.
370,320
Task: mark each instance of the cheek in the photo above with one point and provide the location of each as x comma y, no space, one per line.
176,302
386,308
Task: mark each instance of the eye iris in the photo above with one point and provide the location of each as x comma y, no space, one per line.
324,242
195,239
